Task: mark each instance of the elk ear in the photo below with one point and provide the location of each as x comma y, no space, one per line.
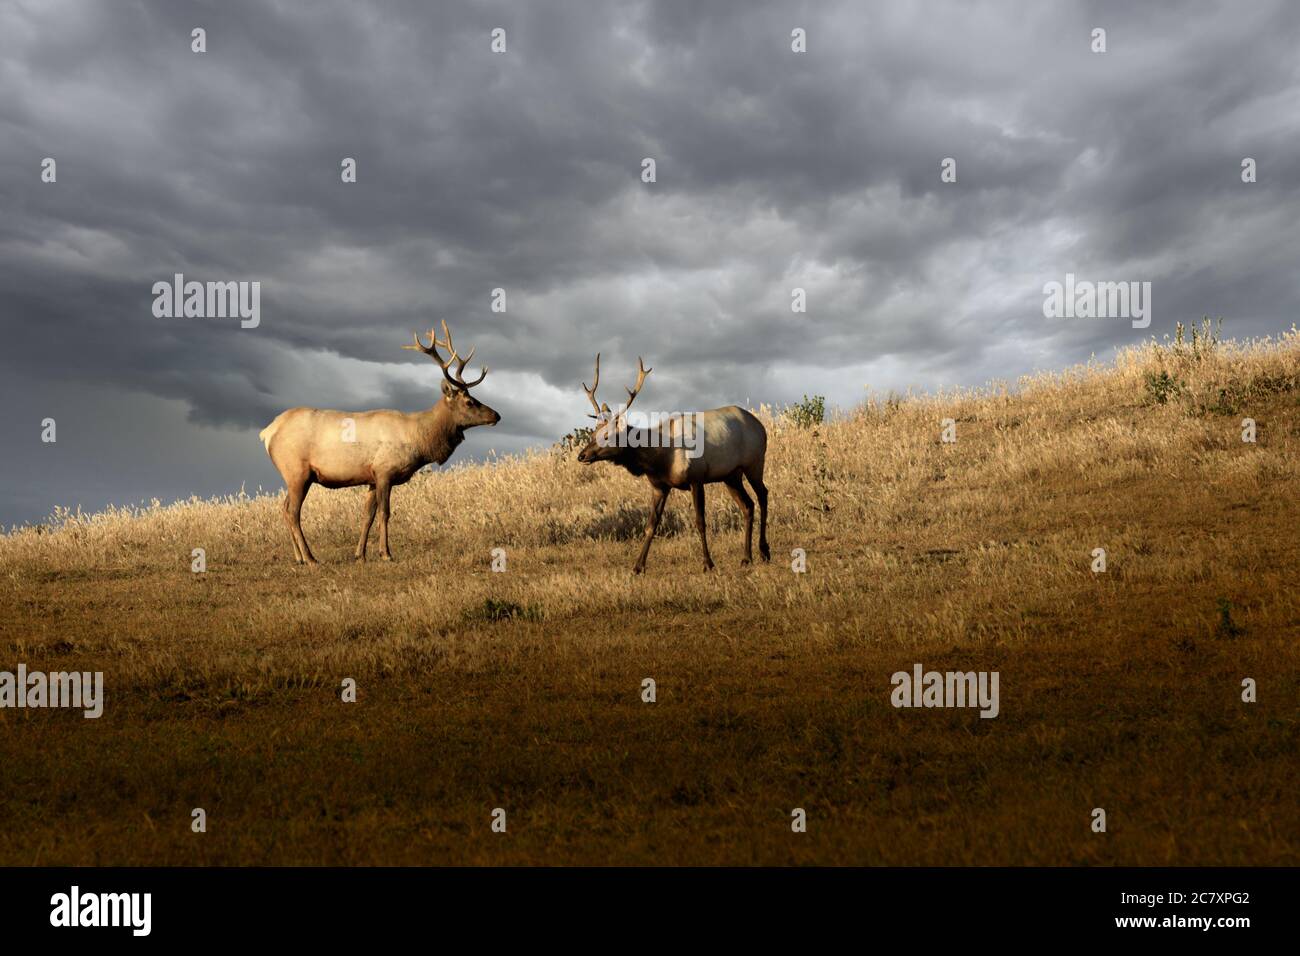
448,389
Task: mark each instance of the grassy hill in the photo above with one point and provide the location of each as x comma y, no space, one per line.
522,690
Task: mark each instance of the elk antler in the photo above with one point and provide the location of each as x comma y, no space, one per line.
591,393
456,378
632,393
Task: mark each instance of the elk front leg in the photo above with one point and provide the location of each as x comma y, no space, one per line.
697,493
658,497
372,505
382,492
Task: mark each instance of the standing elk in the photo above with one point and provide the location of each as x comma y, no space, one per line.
685,451
380,448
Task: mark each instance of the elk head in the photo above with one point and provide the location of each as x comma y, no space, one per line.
466,410
607,442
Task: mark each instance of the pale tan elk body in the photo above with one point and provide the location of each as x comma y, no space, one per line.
381,449
721,445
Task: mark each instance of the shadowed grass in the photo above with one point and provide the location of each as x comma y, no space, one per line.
522,689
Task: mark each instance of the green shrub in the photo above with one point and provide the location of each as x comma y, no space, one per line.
1162,386
1227,628
809,413
575,440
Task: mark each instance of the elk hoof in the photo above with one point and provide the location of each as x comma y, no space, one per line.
638,569
387,557
745,561
708,566
361,558
767,555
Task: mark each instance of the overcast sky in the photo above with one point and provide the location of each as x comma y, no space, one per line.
522,170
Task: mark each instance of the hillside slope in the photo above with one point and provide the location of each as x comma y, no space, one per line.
522,689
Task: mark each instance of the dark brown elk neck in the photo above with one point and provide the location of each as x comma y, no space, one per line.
655,462
439,433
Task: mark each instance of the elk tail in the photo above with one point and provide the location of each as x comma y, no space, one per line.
267,433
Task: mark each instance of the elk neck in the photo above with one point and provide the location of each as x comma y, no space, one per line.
655,462
439,433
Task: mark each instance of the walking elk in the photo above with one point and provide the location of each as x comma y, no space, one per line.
685,451
381,448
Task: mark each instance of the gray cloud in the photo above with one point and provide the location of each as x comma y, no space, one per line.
775,170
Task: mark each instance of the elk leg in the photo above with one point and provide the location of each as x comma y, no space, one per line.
297,492
382,491
697,493
372,504
288,523
746,504
760,490
658,497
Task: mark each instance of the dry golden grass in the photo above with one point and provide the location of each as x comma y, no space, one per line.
1118,690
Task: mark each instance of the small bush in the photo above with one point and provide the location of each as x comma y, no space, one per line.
573,441
1162,386
1227,628
808,413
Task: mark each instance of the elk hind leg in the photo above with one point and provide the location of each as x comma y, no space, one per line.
737,488
297,492
288,523
755,476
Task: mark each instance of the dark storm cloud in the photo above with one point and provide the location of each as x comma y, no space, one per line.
521,171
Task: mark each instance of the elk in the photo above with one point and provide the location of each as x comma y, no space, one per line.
685,451
381,448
